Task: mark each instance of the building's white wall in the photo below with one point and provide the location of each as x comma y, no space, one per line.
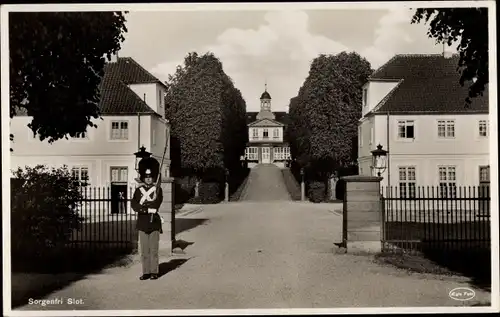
426,141
467,151
260,131
426,168
98,152
154,94
99,167
376,91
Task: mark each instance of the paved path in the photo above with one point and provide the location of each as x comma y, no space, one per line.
265,183
261,255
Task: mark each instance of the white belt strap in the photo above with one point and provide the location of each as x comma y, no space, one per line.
146,195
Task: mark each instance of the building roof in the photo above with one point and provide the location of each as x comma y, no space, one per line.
280,116
265,95
116,97
427,84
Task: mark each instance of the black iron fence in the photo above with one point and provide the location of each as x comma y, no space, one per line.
443,217
107,220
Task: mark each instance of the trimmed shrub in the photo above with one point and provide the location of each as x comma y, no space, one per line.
43,212
316,191
209,193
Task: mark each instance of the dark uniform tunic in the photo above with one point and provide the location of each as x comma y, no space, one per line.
147,222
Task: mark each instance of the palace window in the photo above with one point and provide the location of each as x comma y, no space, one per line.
484,173
446,129
406,129
286,153
279,153
276,133
266,133
251,153
80,173
119,174
119,130
365,97
81,135
407,182
255,134
483,128
447,182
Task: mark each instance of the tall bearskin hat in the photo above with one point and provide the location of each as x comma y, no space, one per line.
149,166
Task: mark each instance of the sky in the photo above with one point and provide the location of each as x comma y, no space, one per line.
273,46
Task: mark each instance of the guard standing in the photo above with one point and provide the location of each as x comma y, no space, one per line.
146,202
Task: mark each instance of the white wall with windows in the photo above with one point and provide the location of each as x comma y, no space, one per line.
458,143
93,155
267,134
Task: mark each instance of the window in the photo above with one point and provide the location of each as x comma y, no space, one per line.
255,134
81,135
372,136
266,134
483,128
251,153
279,153
286,153
276,133
484,173
447,182
406,129
360,136
119,130
407,182
80,173
119,174
153,137
365,97
446,129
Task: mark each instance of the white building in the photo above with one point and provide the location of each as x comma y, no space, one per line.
433,139
266,133
130,98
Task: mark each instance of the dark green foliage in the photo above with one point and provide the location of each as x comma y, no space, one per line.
316,191
56,65
324,115
470,25
210,193
43,206
208,119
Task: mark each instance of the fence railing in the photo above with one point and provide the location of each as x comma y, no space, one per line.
107,219
419,218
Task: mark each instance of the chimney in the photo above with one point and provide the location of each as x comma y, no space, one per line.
447,52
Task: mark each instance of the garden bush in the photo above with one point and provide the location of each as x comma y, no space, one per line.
316,191
43,211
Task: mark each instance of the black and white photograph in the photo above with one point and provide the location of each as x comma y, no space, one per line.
249,158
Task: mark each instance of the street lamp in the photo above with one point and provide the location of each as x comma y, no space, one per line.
379,160
141,154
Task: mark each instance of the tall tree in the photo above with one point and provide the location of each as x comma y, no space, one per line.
324,114
470,27
207,115
56,65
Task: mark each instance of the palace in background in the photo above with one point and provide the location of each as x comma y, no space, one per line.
266,133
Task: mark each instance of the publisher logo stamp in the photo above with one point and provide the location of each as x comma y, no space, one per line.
462,294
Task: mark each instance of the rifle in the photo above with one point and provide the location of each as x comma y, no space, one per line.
160,170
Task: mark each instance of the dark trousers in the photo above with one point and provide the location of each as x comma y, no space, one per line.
149,251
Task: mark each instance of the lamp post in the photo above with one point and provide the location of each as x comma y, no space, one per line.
379,160
141,154
226,191
302,185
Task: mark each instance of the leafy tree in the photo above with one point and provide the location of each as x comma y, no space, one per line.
207,115
324,115
470,26
56,65
44,210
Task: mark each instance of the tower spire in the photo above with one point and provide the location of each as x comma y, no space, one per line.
265,84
